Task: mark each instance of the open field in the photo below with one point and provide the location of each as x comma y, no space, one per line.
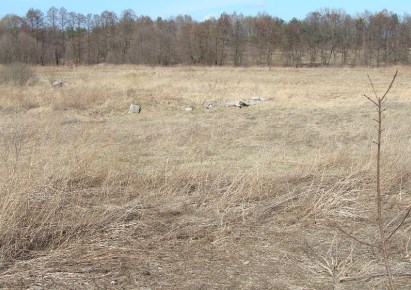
93,197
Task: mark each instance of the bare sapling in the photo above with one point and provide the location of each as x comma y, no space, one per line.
383,236
379,104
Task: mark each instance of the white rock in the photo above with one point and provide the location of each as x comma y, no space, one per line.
232,104
238,104
134,109
188,109
208,105
246,263
256,98
57,84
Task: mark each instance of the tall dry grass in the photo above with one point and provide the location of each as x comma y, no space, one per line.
77,169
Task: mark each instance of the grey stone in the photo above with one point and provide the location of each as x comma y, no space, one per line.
256,98
208,105
57,84
134,109
238,104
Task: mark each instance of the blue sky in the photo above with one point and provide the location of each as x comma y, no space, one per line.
199,10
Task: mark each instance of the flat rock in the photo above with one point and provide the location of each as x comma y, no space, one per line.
256,98
238,104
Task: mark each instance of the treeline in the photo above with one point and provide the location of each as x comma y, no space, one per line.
324,37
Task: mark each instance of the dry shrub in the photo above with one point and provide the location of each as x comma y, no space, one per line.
53,192
18,74
47,189
86,98
68,98
15,100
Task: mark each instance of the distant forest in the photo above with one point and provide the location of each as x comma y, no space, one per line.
323,37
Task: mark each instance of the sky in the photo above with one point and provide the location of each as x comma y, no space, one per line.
201,10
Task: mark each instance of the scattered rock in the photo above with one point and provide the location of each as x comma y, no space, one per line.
57,84
238,104
208,105
188,109
256,98
246,103
134,109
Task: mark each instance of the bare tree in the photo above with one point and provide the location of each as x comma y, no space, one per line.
62,14
293,43
10,47
238,39
108,21
76,32
36,23
326,36
126,25
52,18
185,46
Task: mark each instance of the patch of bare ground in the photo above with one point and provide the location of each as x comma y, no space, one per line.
95,198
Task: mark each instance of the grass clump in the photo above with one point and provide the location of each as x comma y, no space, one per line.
18,74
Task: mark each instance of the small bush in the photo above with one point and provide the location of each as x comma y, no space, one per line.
18,74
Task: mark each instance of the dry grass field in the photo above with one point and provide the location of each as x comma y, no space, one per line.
93,197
